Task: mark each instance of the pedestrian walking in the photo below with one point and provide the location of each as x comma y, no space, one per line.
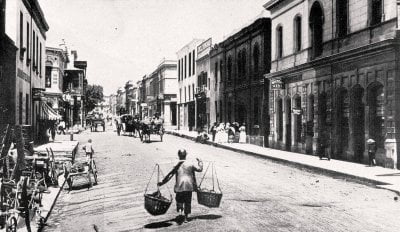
88,147
242,134
61,127
231,133
185,183
213,131
118,123
226,132
53,132
371,152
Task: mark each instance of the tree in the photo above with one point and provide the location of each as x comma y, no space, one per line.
94,96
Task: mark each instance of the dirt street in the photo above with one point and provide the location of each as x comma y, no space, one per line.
259,195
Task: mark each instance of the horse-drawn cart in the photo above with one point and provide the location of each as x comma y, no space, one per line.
148,128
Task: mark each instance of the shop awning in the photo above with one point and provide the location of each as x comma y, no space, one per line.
47,113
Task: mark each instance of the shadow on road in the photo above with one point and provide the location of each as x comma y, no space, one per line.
179,221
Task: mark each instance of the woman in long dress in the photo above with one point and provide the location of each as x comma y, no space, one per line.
220,132
226,131
242,134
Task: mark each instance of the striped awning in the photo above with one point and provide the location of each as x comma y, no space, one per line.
47,113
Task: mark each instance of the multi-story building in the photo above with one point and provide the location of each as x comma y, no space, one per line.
26,27
113,104
121,101
246,57
8,56
187,81
162,92
333,78
56,62
202,92
216,84
140,96
74,87
131,100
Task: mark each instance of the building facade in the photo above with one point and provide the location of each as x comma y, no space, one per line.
162,97
216,85
56,62
202,92
187,82
8,57
131,98
74,88
26,27
333,81
244,96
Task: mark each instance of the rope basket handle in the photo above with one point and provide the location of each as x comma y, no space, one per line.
212,174
157,166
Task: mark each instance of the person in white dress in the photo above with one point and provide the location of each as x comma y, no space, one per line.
242,134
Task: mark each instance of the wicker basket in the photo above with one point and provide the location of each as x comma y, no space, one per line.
209,198
156,205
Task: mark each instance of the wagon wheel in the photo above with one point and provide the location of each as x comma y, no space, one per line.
94,171
24,203
52,166
11,224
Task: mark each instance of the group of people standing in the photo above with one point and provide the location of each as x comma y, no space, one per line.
228,132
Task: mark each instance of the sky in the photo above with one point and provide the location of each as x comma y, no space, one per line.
126,39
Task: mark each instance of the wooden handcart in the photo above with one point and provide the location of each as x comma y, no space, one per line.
81,170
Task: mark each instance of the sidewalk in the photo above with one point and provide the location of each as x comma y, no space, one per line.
49,199
380,177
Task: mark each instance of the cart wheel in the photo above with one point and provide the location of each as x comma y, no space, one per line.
25,203
94,171
11,225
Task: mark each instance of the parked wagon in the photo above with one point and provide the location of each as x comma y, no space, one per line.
84,170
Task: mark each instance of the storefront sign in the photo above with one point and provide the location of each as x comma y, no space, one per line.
277,85
296,111
206,44
21,74
37,94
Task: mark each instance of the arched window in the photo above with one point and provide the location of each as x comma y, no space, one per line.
243,63
376,102
279,42
48,76
316,23
297,33
279,109
229,69
342,17
256,58
239,64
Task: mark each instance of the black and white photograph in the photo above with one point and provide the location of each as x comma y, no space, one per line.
199,115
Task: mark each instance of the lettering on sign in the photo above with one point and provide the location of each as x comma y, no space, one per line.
296,111
206,44
21,74
277,85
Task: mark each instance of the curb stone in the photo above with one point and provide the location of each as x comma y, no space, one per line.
319,170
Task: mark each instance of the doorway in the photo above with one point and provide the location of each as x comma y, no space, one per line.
288,124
